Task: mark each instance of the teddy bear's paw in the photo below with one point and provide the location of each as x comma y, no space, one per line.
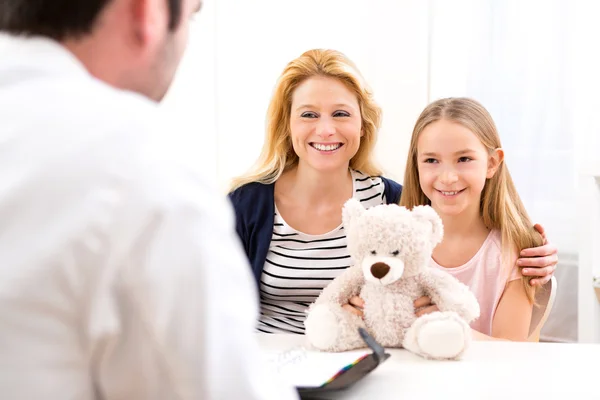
443,336
322,327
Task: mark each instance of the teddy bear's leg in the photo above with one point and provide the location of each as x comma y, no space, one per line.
331,328
439,335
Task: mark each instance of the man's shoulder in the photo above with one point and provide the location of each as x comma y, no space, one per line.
117,127
118,109
121,137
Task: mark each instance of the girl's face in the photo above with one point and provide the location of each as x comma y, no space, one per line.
453,167
325,124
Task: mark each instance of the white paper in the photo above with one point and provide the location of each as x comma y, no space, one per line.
299,366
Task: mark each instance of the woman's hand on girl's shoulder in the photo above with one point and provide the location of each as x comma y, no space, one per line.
539,262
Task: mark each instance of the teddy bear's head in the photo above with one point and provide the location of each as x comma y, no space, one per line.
389,241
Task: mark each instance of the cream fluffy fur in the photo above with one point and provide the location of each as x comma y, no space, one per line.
391,247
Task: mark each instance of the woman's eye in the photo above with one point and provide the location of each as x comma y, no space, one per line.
430,160
341,114
309,114
373,253
395,252
464,159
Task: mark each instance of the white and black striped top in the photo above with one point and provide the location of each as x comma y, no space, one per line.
299,265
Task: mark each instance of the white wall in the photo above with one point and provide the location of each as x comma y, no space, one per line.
585,83
191,99
512,56
396,63
239,48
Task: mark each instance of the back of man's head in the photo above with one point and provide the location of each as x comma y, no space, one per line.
60,19
134,45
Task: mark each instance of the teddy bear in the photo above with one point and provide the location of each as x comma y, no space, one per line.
391,247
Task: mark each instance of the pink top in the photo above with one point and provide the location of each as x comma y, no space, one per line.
486,277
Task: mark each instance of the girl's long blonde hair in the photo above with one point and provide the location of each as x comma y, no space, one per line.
277,154
500,206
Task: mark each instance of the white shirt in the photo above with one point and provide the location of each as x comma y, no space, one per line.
120,273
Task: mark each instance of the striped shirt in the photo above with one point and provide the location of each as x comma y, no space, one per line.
299,265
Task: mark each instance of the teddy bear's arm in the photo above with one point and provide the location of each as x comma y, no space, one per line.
342,288
448,294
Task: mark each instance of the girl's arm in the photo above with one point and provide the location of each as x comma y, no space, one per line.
448,294
513,315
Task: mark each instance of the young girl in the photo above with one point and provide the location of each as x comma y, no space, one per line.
456,165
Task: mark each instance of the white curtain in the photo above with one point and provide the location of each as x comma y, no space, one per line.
513,57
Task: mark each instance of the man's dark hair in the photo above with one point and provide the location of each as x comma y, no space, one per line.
61,19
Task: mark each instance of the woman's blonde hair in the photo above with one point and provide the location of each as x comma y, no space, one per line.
277,154
500,206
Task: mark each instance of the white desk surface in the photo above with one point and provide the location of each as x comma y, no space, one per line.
489,370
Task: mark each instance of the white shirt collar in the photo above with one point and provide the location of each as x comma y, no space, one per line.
38,53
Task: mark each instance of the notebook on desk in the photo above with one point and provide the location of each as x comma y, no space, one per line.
313,372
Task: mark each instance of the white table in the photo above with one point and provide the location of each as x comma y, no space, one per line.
490,370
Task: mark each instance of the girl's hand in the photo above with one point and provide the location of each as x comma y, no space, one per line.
355,306
539,261
423,305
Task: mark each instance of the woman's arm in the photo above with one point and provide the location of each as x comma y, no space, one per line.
539,262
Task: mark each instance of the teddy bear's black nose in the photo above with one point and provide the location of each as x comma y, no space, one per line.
379,270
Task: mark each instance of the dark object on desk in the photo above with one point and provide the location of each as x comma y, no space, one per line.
352,374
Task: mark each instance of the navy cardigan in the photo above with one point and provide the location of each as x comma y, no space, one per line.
254,205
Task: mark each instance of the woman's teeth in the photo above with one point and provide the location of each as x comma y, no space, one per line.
326,147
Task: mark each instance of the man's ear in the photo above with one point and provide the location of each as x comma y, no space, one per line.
149,20
495,159
351,212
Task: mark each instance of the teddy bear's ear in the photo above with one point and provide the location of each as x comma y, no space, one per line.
428,214
351,211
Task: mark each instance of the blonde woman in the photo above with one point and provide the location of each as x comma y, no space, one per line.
318,153
456,165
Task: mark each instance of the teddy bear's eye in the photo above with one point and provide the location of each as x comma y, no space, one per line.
373,252
395,252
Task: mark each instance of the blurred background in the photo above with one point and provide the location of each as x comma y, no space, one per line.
533,64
